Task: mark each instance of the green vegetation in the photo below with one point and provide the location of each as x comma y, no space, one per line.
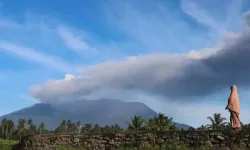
9,131
7,144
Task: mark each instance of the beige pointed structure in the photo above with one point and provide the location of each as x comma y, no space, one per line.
234,108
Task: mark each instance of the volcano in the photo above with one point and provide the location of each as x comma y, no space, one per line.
102,112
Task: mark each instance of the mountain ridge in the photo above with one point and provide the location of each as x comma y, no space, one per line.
102,112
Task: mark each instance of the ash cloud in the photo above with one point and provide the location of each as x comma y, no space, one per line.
172,76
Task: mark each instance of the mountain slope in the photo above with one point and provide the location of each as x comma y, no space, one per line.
102,112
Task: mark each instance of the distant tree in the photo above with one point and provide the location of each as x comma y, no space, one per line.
7,128
202,127
217,122
116,128
11,128
21,127
160,123
62,128
245,126
78,125
96,128
137,123
68,126
30,122
41,128
4,128
88,127
163,122
191,129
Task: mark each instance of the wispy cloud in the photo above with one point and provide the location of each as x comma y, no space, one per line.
21,96
228,22
36,56
151,31
191,8
73,41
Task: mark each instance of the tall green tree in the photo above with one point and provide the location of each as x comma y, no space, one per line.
163,122
217,122
4,126
136,124
21,127
87,128
41,128
78,126
10,128
62,128
96,128
202,127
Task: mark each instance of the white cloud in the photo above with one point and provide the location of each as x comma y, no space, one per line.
35,56
21,96
72,41
191,8
69,77
201,11
151,30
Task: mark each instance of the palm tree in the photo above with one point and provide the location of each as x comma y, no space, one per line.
106,128
217,122
137,123
33,129
62,127
163,122
191,129
245,126
78,125
7,128
21,127
30,122
41,128
69,126
87,128
4,125
202,127
64,124
96,128
116,128
151,125
10,129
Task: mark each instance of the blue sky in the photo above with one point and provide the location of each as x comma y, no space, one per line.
42,40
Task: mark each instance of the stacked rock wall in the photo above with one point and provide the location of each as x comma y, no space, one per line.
106,141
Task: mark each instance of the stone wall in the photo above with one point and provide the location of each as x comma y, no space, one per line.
106,141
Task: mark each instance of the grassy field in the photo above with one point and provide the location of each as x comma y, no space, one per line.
7,144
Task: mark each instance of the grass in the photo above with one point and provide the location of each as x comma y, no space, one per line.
7,144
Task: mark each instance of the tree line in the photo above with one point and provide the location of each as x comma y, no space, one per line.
159,123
